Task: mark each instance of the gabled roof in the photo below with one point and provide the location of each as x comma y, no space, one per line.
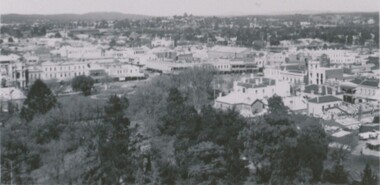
324,99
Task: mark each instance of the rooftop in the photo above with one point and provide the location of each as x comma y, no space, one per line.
366,82
324,99
228,49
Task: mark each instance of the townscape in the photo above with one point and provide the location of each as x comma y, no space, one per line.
111,98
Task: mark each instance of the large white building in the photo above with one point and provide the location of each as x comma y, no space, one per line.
293,76
85,52
63,71
319,75
336,56
12,71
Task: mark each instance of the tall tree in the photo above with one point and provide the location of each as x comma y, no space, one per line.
115,164
175,112
40,99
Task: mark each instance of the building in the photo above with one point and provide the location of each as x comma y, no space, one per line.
11,98
317,106
366,90
319,75
120,71
227,52
13,71
242,103
85,52
295,76
162,42
276,59
259,87
62,71
312,91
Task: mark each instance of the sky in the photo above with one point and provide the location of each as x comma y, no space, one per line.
179,7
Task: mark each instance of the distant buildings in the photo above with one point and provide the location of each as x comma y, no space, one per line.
249,95
162,42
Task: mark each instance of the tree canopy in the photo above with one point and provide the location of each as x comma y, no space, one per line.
40,99
83,83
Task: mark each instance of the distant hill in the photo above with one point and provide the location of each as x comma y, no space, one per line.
25,18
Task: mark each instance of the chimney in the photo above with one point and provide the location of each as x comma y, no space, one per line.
326,90
317,99
257,81
319,89
252,76
220,94
261,79
339,89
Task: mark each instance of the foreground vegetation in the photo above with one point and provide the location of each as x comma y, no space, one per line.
164,133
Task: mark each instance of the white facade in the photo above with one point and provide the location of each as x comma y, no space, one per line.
63,70
80,52
12,69
317,106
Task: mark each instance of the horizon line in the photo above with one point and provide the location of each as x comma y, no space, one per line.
305,12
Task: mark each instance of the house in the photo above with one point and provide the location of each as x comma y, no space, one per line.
295,104
11,98
259,87
317,106
243,103
369,131
366,90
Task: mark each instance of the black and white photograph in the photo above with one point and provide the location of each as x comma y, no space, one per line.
189,92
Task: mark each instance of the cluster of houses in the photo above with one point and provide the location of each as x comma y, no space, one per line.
323,83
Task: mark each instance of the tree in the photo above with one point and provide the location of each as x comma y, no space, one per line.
368,178
276,106
57,35
286,149
115,165
83,83
10,39
206,163
312,147
40,99
175,112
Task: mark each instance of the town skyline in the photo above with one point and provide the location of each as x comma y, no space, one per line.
195,7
